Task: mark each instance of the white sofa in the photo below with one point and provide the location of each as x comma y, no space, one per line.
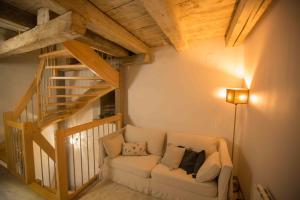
146,174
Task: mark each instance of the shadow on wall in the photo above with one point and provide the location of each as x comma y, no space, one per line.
270,135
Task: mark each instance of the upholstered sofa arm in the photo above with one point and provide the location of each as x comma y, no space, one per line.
102,153
226,170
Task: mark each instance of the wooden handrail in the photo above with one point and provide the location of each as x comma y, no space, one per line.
25,99
14,124
95,123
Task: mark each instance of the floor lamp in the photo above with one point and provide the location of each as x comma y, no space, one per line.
236,96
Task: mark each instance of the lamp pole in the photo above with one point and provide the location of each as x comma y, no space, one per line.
233,135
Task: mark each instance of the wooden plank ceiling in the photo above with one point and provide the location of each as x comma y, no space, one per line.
160,22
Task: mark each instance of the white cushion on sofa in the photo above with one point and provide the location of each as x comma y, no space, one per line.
113,143
195,141
210,168
137,165
179,179
155,139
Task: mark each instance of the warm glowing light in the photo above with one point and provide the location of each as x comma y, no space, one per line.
240,72
254,99
242,97
220,93
237,95
248,81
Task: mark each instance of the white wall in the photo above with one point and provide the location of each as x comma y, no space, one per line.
270,141
179,90
16,75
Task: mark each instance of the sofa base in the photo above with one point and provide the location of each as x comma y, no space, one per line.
150,187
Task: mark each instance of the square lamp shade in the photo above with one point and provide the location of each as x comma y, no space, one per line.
237,95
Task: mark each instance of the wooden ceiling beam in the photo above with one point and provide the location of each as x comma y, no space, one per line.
99,43
66,27
136,60
15,19
246,15
163,12
103,25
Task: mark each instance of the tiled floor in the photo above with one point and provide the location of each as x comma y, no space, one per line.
12,189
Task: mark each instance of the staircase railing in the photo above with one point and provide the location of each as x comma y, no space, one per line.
77,154
65,165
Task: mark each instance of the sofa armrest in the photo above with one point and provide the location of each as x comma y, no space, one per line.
226,170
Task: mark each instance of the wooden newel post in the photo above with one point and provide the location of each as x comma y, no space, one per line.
61,166
8,141
119,122
27,141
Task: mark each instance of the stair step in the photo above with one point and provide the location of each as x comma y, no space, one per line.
73,78
48,112
102,86
72,95
70,103
50,119
75,67
55,54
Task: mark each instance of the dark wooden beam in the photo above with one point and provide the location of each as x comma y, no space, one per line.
15,19
99,43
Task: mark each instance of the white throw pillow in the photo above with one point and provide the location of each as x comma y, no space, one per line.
113,144
173,156
134,149
210,168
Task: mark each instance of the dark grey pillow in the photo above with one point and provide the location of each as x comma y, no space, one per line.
188,161
199,162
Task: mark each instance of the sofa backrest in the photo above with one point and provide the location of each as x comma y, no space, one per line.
155,138
196,142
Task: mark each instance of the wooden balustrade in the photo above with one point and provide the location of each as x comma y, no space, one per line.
81,140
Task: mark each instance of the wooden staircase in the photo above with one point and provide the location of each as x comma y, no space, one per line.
67,87
67,80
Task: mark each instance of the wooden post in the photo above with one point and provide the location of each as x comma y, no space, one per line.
61,166
8,141
119,122
27,142
43,16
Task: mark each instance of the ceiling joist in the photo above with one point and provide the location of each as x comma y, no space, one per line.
164,14
65,27
15,19
103,25
99,43
246,15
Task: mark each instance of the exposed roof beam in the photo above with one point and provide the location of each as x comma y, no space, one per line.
136,60
15,19
99,43
58,30
246,15
163,12
103,25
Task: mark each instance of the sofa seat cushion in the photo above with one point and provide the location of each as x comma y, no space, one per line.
179,179
137,165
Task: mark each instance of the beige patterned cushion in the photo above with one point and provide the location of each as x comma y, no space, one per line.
134,149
